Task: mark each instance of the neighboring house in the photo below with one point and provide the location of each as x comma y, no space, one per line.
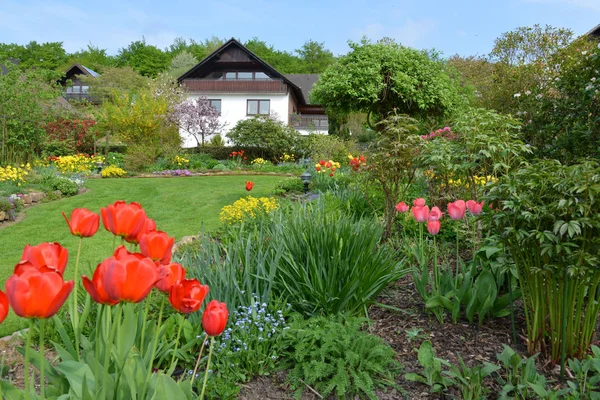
77,89
594,34
241,85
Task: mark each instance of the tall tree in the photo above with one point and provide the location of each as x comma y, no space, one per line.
115,81
378,78
92,57
528,44
282,61
314,57
148,60
181,63
50,55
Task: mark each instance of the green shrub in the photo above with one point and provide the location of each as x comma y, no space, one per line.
331,262
264,132
292,184
549,222
327,147
66,186
116,159
334,356
220,167
5,205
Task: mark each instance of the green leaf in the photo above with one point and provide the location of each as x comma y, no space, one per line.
76,373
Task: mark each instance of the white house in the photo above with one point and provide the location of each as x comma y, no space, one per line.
241,85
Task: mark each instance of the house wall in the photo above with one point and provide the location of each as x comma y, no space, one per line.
234,108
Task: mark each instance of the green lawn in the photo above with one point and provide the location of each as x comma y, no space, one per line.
180,206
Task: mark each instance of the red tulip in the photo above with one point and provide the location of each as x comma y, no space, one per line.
214,319
169,275
37,293
121,253
402,207
249,185
318,167
433,226
51,255
421,214
129,277
187,296
435,214
158,246
3,306
474,207
123,219
322,162
149,225
457,210
83,223
420,202
95,286
331,174
362,159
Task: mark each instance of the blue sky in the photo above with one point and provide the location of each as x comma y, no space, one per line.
463,27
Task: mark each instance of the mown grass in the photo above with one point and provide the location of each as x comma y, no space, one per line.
180,207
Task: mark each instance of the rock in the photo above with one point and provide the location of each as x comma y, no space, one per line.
184,240
3,215
26,199
81,190
36,197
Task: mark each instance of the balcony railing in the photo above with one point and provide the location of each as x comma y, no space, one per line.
79,96
309,122
235,86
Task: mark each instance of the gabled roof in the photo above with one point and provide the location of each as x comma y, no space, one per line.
594,31
305,82
233,42
83,69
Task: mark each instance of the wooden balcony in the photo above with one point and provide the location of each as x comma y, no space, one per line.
79,96
309,122
235,86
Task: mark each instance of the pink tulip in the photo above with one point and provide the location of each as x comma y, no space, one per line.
435,214
402,207
433,226
420,202
474,207
457,209
421,214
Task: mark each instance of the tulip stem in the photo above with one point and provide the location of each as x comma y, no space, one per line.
42,359
172,368
27,346
154,342
198,361
146,308
75,311
212,342
109,336
457,257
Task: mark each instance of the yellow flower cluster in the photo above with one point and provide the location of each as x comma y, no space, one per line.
248,207
479,180
259,161
113,171
287,158
14,174
79,163
180,161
